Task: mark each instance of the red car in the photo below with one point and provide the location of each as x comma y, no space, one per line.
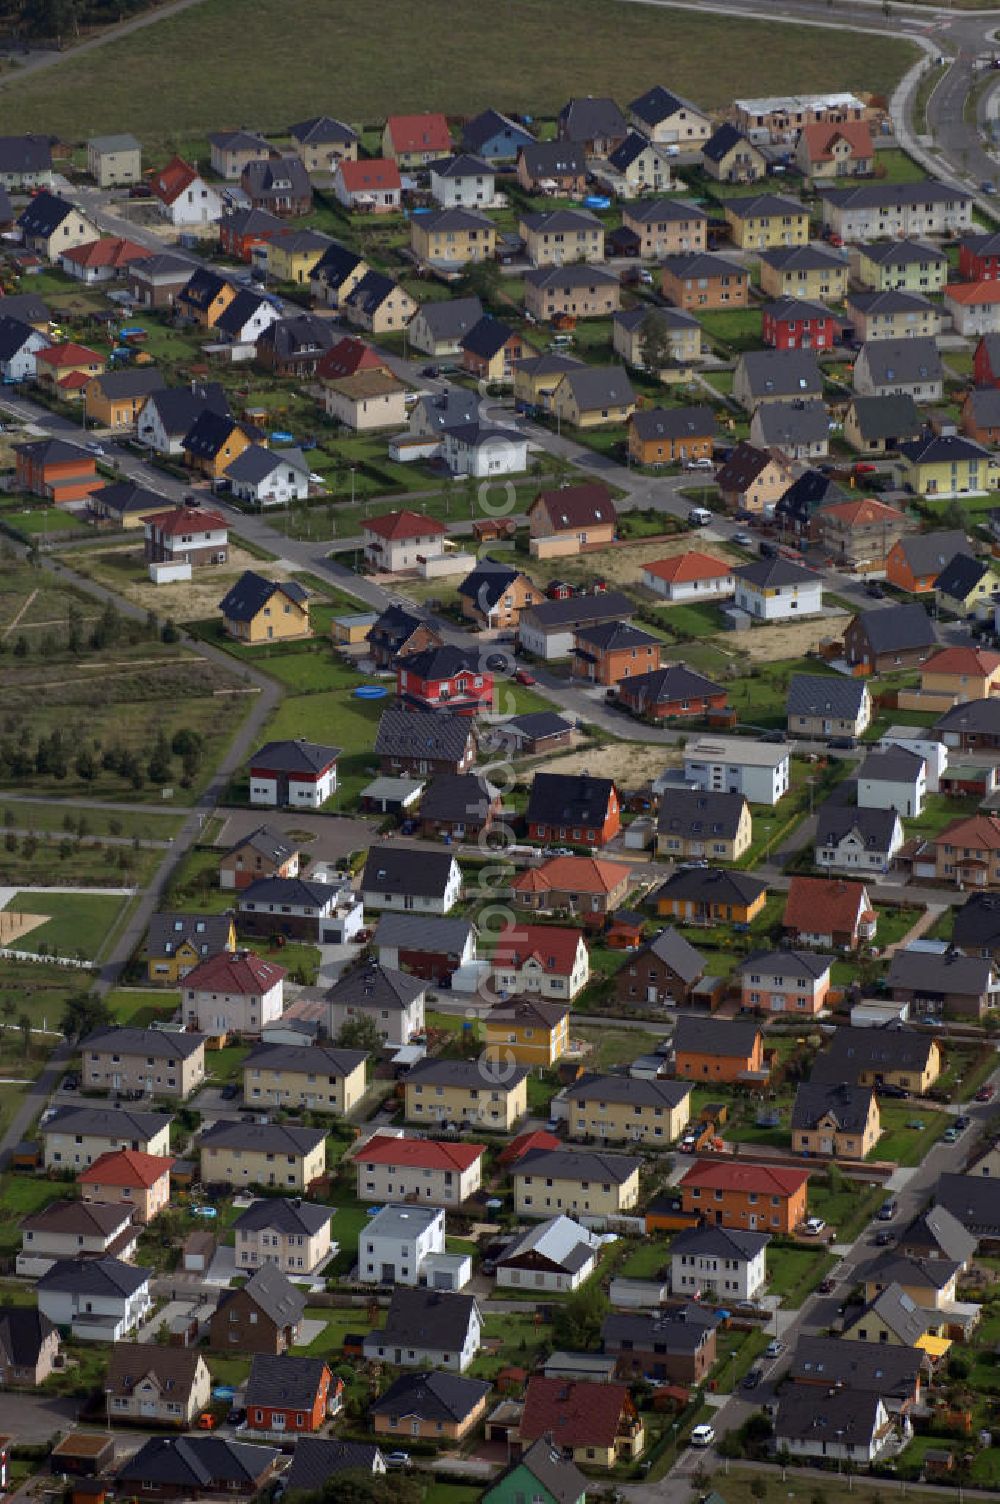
986,1093
865,467
523,677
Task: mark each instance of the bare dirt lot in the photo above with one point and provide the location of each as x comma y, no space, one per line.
628,763
14,924
622,563
123,570
788,639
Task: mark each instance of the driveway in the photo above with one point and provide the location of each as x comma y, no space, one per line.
334,836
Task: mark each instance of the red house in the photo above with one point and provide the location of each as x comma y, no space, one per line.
58,471
287,1395
671,692
986,361
573,807
796,324
979,258
346,358
443,678
240,232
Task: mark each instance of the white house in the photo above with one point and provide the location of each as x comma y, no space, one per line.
393,1000
933,752
857,840
400,540
235,992
19,344
545,960
778,590
842,1425
393,1247
246,318
100,1300
269,477
732,765
426,882
293,774
184,196
557,1254
480,452
727,1263
896,779
427,1329
320,913
692,576
464,182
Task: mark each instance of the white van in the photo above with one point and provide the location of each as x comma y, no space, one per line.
699,516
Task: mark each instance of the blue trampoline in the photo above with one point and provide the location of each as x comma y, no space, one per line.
370,692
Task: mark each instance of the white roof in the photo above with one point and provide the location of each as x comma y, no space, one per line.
769,103
403,1221
736,749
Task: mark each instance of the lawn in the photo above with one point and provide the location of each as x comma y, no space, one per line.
647,1261
43,815
614,1047
510,1339
349,1218
266,62
894,921
37,989
908,1146
845,1209
226,1065
738,328
793,1272
78,925
136,1009
334,715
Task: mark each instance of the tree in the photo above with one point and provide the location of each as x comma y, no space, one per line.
353,1486
83,1013
24,1024
580,1318
654,346
360,1033
85,767
758,1487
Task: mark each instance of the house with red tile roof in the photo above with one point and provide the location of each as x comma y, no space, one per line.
525,1143
594,1424
584,885
974,306
752,1197
66,368
186,535
826,151
183,194
828,912
373,186
962,673
694,576
400,540
429,1171
129,1177
967,852
860,531
544,959
235,992
347,357
414,140
102,260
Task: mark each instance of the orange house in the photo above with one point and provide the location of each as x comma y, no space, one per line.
67,368
755,1198
712,1049
914,562
58,471
130,1178
269,1386
614,650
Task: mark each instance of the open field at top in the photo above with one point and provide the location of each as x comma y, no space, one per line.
266,63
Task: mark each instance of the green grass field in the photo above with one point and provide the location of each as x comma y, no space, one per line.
245,61
78,926
135,1009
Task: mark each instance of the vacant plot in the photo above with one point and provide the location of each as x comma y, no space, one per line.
137,1009
631,764
123,570
267,62
622,566
789,639
74,924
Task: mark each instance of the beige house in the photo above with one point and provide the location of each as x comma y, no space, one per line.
452,237
141,1181
244,1154
806,271
295,1235
550,1181
75,1136
594,397
401,1168
676,326
561,236
625,1109
75,1230
894,314
583,292
837,1121
456,1091
369,399
156,1384
668,119
666,227
151,1061
114,161
316,1077
698,823
378,305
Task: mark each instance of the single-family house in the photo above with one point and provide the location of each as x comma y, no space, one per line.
674,1346
423,1170
777,589
451,238
427,1328
420,742
914,561
710,1049
149,1382
316,1078
617,1109
698,279
784,375
74,1137
748,1197
766,220
946,465
184,197
582,885
573,806
757,770
666,436
546,960
430,1405
668,119
96,1300
695,823
888,637
804,271
441,1091
553,167
198,1467
785,981
895,778
151,1062
664,971
549,1181
860,533
824,705
556,1255
138,1181
826,151
233,992
494,136
729,157
829,912
727,1263
710,895
322,142
262,1316
596,1425
411,880
835,1119
849,839
50,225
399,540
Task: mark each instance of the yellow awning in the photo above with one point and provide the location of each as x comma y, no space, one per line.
934,1347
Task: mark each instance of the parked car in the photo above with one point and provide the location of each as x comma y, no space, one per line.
229,1092
699,517
962,1121
236,1417
397,1461
744,540
889,1089
875,590
986,1093
917,1124
951,1135
883,1238
813,1226
774,1348
827,1286
888,1209
702,1436
523,677
752,1379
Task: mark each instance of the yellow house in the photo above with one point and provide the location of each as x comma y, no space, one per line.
238,1154
765,221
696,824
458,1091
905,1059
352,629
893,1321
291,258
947,465
535,380
594,397
704,896
177,943
804,271
962,674
260,610
529,1030
561,236
453,237
838,1120
550,1181
627,1109
115,398
51,225
930,1285
967,586
316,1077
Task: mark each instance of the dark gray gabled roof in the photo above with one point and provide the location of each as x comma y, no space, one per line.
895,765
101,1278
178,407
462,1073
256,463
710,885
900,1313
262,1138
371,985
434,1320
405,870
977,922
787,424
879,1368
632,1091
279,1213
295,756
781,373
678,1329
159,1043
911,360
697,814
848,1106
273,1293
666,685
322,130
840,1417
23,1332
658,104
190,1466
584,275
901,252
423,932
594,115
674,422
891,417
290,1383
44,213
299,892
208,933
831,695
554,159
874,828
106,1122
721,143
14,335
538,724
298,1059
582,1164
719,1242
25,154
948,971
431,734
600,387
317,1458
852,1052
893,629
431,1396
891,300
692,264
928,553
961,575
777,571
266,841
457,796
569,799
481,129
579,610
981,716
715,1036
670,947
450,318
941,1227
793,963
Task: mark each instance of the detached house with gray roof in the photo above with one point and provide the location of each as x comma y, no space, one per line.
875,211
581,291
857,840
900,368
438,328
558,1254
552,167
835,1120
668,118
776,376
594,397
800,429
822,705
725,1262
887,637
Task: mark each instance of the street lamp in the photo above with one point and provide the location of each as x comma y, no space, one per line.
352,468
